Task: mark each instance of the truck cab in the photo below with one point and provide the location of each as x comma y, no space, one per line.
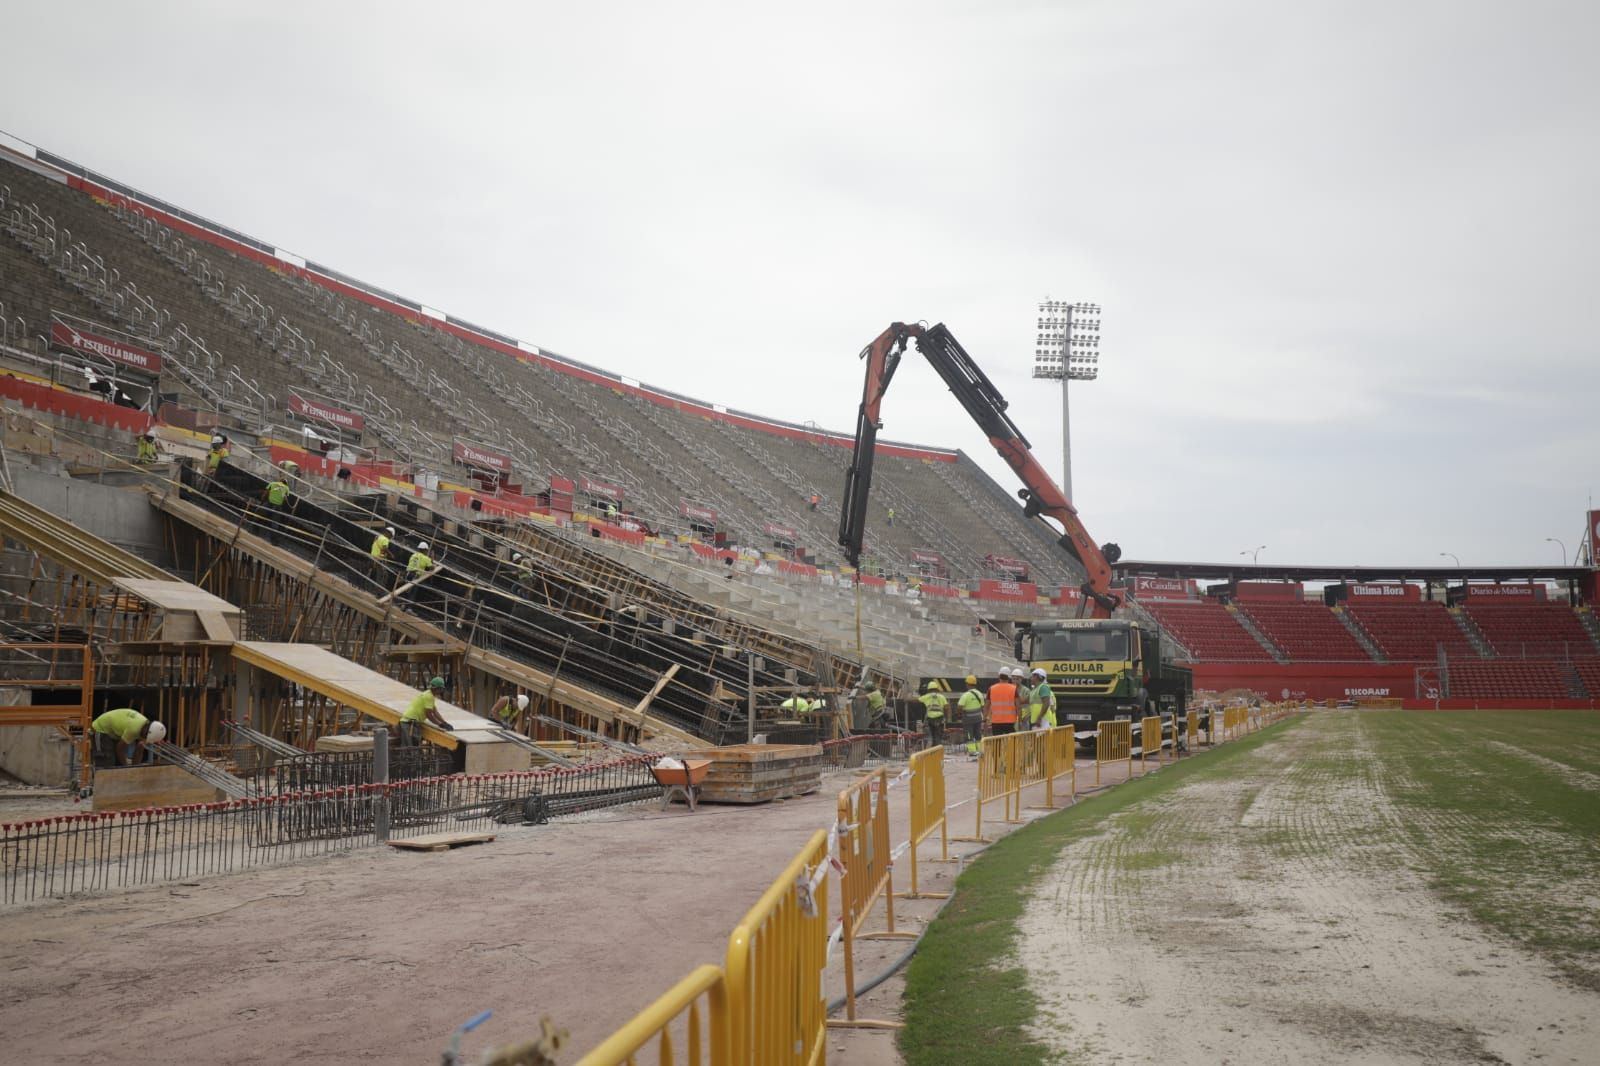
1104,668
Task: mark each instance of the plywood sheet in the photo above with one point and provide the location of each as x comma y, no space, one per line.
440,841
175,595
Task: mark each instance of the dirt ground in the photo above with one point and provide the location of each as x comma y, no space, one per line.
1277,917
375,956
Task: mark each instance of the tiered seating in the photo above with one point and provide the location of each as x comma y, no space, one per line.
417,386
1412,632
1507,680
1306,631
1534,631
1209,631
1589,673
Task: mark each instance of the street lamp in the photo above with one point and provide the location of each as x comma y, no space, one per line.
1067,349
1557,540
1452,555
1254,553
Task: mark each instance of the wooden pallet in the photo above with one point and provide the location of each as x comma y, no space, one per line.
441,841
760,773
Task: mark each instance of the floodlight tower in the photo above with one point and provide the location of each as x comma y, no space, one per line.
1068,349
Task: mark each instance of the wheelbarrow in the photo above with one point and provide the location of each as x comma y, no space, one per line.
682,782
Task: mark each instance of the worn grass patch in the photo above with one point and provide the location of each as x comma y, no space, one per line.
965,1000
1503,820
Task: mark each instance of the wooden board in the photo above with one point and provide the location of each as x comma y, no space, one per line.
125,788
441,841
175,595
760,773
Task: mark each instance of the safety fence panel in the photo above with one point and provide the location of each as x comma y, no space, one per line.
996,756
1150,736
1191,730
776,956
113,850
688,1025
1032,765
926,797
1062,758
865,850
1113,742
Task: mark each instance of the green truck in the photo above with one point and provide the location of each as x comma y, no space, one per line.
1106,668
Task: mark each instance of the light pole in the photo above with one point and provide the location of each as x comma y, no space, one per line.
1452,555
1067,349
1254,553
1557,540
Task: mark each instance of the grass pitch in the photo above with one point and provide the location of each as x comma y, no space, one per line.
1496,812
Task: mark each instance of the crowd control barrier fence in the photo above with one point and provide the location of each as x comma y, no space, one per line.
1113,742
926,797
1150,729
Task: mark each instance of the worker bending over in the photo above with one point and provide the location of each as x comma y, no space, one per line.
508,711
147,449
127,732
424,708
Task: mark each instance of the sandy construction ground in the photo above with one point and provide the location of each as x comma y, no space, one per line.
1279,916
376,956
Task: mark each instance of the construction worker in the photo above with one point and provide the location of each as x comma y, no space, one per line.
278,488
1041,701
423,708
795,707
380,545
419,564
891,516
1003,704
934,705
147,449
815,500
875,700
611,511
971,707
219,451
507,710
128,730
524,569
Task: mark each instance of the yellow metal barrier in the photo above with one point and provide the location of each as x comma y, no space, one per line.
690,1020
1032,764
1149,728
866,851
926,797
1062,756
996,756
1191,731
1113,742
776,955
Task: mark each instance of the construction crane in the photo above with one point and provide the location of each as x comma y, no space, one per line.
1040,495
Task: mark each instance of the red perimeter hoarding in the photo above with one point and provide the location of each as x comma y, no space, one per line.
476,455
78,340
1525,592
1268,591
1159,588
334,416
600,488
1384,592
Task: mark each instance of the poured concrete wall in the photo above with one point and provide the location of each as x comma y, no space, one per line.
121,515
33,754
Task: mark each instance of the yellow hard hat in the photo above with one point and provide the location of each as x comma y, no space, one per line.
972,679
933,685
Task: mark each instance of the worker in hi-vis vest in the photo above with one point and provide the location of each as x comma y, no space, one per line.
424,707
796,706
1003,704
127,732
934,706
1041,702
419,563
147,449
971,707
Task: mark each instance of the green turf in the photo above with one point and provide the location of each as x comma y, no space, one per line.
1514,839
1499,812
964,1002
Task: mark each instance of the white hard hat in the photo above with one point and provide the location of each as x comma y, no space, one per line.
422,545
1039,672
216,440
158,732
388,531
516,557
522,703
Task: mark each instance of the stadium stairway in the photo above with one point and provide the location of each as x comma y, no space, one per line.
1359,635
1248,624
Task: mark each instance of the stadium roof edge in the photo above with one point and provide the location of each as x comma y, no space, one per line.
1357,573
35,158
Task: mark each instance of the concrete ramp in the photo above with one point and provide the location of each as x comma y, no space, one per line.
367,691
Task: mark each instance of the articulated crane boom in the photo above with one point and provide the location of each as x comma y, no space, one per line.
1041,497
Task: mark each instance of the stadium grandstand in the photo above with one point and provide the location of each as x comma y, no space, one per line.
121,314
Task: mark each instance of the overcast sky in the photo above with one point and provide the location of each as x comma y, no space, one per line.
1346,250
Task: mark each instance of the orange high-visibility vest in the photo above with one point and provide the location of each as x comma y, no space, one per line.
1003,702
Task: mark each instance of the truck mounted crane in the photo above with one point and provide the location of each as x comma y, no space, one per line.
1041,498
